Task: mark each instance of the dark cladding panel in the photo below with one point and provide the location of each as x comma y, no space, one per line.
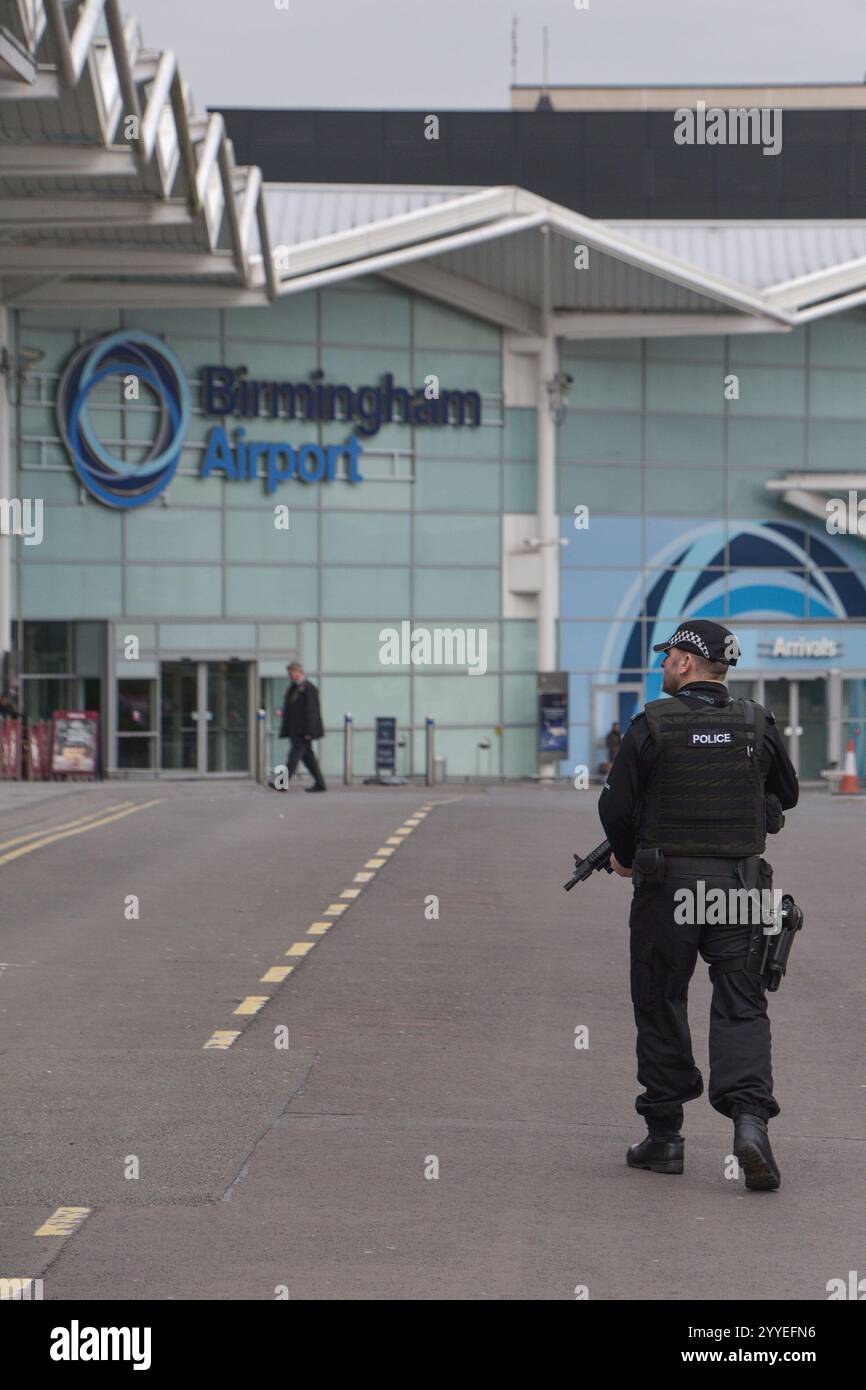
604,164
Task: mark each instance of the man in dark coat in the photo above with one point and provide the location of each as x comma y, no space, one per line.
302,722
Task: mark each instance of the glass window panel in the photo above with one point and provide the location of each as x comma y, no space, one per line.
48,648
136,753
136,702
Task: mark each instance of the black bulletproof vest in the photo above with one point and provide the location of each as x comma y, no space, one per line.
706,792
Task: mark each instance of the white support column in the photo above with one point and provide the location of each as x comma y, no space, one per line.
5,485
547,361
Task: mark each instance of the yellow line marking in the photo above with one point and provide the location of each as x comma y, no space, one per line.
393,840
221,1039
252,1004
384,851
64,835
351,893
275,975
363,878
64,825
17,1287
63,1221
300,948
374,863
334,909
318,929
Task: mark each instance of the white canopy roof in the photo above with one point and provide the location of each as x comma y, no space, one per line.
113,188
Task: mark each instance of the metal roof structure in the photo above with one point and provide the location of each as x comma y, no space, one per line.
112,187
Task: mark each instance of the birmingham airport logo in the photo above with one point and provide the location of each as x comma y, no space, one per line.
135,357
227,392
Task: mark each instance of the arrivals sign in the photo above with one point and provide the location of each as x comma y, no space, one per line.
227,394
815,648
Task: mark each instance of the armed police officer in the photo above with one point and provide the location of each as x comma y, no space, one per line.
698,781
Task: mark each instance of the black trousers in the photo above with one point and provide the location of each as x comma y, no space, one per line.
663,958
301,751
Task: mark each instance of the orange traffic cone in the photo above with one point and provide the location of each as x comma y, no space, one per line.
849,780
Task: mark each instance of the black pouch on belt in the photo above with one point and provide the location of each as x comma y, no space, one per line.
649,867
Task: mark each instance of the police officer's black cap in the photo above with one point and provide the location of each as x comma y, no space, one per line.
709,640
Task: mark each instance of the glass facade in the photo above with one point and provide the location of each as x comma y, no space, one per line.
180,616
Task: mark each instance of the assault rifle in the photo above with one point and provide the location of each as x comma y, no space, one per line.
598,858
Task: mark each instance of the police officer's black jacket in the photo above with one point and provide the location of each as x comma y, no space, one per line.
623,792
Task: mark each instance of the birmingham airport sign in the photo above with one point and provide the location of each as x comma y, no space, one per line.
229,394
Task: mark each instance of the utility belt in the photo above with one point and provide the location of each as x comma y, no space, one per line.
770,943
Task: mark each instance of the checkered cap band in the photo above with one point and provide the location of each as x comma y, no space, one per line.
685,635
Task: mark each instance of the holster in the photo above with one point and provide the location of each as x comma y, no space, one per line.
753,873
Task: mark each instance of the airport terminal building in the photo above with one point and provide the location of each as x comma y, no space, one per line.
449,439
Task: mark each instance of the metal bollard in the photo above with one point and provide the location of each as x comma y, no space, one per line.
429,732
347,749
261,747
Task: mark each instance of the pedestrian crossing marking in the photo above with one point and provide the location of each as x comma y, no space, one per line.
374,863
384,851
275,975
393,840
63,1221
222,1039
252,1004
334,909
363,878
300,948
318,929
403,832
350,893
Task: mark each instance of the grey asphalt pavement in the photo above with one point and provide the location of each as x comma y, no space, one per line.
431,1130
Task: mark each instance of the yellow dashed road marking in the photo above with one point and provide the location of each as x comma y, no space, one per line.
65,834
251,1004
63,1221
275,975
222,1039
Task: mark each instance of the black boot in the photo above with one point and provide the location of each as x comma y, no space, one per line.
658,1155
754,1155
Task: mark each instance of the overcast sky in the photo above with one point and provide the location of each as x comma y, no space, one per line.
457,53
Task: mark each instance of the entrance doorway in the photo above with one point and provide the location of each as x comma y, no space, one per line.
611,704
205,724
799,704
